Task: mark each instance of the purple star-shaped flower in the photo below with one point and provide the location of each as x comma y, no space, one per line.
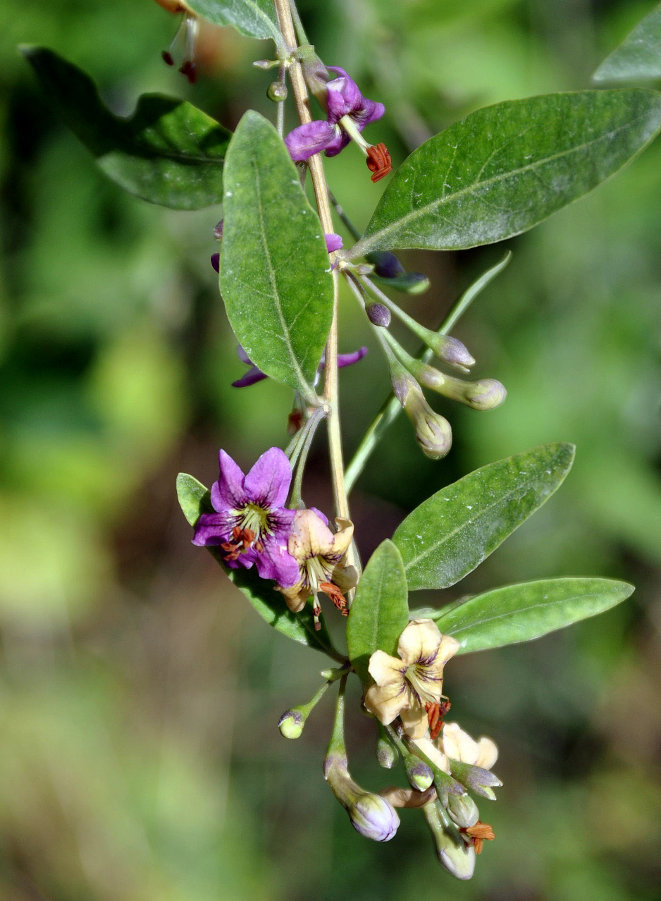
250,523
343,98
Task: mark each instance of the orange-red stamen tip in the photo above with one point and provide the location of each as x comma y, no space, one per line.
378,161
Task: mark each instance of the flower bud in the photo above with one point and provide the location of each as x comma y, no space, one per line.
386,753
432,431
291,724
378,314
487,394
374,817
463,809
386,264
277,91
454,853
419,774
475,779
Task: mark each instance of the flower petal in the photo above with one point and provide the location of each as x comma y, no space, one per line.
276,563
386,701
414,720
487,753
227,493
309,536
313,137
385,669
211,529
343,96
419,642
267,483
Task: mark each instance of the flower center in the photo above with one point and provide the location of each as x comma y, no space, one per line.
428,690
254,518
317,570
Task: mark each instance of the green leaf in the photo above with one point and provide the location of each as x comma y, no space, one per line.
639,54
254,18
454,530
274,273
194,499
380,609
168,152
507,167
522,612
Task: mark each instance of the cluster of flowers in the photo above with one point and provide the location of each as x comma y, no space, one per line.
295,548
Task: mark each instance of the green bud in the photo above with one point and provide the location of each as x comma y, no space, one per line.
419,774
277,91
386,753
454,853
291,724
475,778
463,810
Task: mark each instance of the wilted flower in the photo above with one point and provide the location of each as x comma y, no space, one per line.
250,523
348,113
320,558
186,33
404,686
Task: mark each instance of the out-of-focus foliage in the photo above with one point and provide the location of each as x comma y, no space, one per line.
134,678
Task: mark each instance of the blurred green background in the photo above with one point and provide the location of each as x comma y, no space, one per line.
140,757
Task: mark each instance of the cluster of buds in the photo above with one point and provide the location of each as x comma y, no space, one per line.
295,548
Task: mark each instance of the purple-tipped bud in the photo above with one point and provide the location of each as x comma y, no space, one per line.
476,779
215,261
291,724
432,431
373,817
386,753
453,351
385,263
455,854
487,394
419,774
378,314
277,91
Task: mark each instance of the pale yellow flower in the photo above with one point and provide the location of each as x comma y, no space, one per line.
458,745
406,684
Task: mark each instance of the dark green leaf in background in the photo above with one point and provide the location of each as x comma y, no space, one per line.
522,612
254,18
274,276
639,54
194,499
453,531
380,609
168,152
507,167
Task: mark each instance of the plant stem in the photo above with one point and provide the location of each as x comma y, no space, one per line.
299,89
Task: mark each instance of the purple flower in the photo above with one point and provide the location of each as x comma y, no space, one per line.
343,99
254,374
333,242
250,523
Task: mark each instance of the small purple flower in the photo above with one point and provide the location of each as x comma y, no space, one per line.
333,242
250,523
254,374
343,99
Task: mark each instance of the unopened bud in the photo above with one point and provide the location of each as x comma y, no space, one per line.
277,91
463,810
432,431
291,724
370,814
487,394
419,774
385,264
386,753
454,853
378,314
475,778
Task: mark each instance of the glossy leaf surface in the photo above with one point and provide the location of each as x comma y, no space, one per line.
380,610
254,18
639,54
451,532
275,272
507,167
522,612
168,152
194,499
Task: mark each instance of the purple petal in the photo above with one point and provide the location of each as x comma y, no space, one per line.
267,483
243,356
343,97
215,261
228,492
370,111
338,143
349,359
211,529
276,563
252,376
333,242
313,137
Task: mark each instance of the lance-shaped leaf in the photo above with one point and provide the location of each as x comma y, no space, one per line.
639,54
453,531
168,152
380,611
507,167
274,273
522,612
195,499
254,18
